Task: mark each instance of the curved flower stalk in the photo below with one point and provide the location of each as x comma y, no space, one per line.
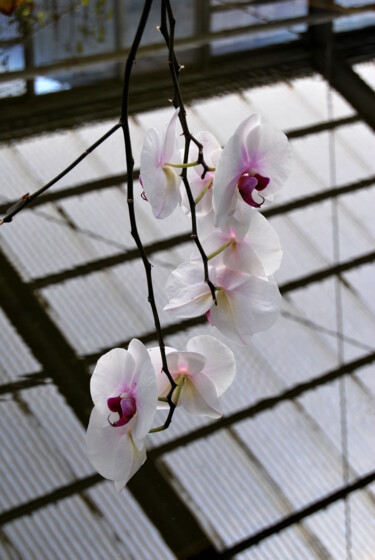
160,180
124,392
202,373
247,242
246,304
202,188
254,165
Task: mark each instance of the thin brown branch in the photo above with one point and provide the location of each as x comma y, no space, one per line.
168,17
134,230
27,198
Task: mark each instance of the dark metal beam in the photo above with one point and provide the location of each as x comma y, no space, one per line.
340,494
318,197
26,382
47,344
107,262
327,272
349,84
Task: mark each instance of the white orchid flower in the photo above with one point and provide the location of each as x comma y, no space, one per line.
202,373
247,242
202,188
159,179
124,392
246,304
254,165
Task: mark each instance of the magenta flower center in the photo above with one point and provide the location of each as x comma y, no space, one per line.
248,182
125,406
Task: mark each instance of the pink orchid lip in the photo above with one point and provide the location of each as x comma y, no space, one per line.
248,183
125,406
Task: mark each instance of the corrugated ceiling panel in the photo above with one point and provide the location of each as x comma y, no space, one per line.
290,544
314,223
107,307
224,489
324,406
330,525
23,443
40,155
358,320
111,154
293,453
303,102
133,530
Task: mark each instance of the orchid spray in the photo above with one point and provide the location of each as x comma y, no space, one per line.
228,277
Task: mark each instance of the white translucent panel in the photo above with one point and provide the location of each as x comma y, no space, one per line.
360,207
23,443
330,525
60,429
366,70
224,488
301,461
366,376
106,308
105,213
129,523
111,153
324,406
222,115
48,155
43,241
361,280
358,321
295,353
351,238
294,543
300,257
17,176
303,102
64,532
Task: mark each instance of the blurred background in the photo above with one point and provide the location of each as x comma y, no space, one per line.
289,471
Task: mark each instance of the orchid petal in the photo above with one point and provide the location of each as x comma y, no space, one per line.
160,182
190,363
110,449
220,367
195,394
112,375
138,459
269,153
145,390
243,257
170,153
197,185
229,169
162,381
265,242
189,294
251,306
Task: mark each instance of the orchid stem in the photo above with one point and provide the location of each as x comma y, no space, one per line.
183,165
203,192
180,384
219,250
